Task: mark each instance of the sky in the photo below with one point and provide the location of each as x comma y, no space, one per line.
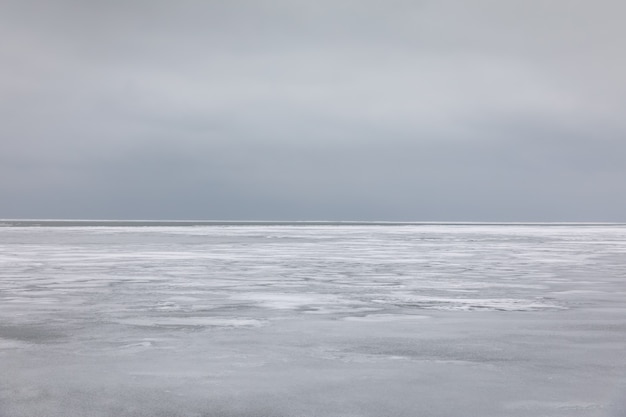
447,110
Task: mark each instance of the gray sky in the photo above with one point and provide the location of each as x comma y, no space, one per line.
468,110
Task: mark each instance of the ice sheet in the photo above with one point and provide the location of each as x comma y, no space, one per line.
325,320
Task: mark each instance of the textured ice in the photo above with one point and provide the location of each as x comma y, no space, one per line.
191,321
385,317
302,320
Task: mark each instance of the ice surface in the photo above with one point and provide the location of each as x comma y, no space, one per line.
323,320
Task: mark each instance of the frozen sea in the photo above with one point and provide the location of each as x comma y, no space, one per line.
337,320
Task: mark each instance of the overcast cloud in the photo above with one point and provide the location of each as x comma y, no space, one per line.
479,110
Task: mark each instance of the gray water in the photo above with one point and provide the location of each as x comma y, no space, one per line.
209,319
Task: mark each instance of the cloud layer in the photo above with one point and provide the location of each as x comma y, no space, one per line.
349,110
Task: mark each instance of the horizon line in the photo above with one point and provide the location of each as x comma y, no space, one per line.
69,222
